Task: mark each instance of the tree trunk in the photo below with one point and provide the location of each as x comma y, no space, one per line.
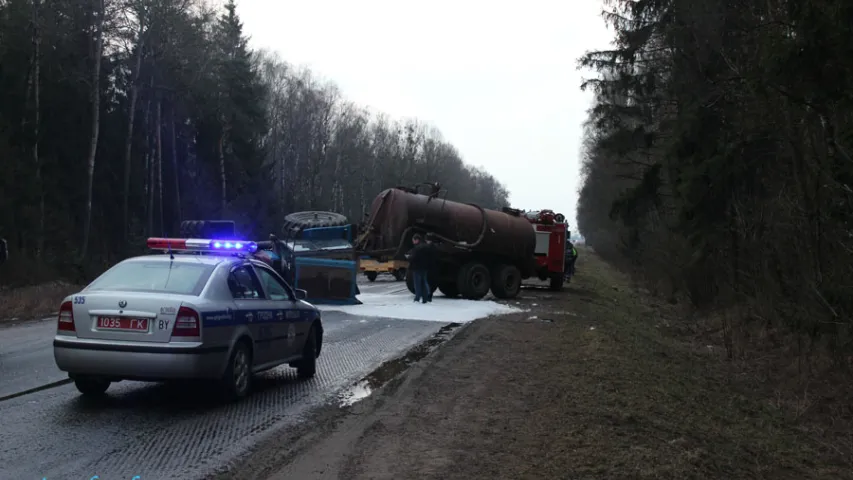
149,163
131,115
222,171
158,127
36,123
175,168
95,95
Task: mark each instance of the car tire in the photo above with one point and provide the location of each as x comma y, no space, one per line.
307,367
237,379
91,386
371,276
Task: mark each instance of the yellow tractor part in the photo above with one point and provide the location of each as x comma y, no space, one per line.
372,268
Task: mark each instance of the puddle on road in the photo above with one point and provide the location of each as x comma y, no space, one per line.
392,368
358,392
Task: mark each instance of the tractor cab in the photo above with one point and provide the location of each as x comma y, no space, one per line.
320,261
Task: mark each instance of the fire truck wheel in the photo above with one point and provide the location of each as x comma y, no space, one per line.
506,281
449,290
557,281
474,281
371,276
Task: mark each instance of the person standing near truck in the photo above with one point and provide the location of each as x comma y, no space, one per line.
419,259
431,264
571,258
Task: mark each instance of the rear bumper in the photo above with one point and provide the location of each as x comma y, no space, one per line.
121,361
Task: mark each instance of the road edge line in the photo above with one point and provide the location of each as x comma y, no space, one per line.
36,389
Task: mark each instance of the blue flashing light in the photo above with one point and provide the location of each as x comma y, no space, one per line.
234,245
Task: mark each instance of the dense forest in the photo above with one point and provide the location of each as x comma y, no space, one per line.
120,118
718,157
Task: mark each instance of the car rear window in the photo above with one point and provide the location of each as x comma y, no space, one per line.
164,277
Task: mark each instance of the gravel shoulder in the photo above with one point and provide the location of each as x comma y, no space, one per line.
589,383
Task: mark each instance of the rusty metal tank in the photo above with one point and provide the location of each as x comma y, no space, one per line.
396,214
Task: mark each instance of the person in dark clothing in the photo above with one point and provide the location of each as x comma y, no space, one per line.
419,262
571,258
4,250
430,261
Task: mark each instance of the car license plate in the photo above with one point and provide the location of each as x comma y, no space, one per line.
123,323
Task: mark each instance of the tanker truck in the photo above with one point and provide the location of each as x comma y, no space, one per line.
477,249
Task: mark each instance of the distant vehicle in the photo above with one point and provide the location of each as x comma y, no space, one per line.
203,310
478,249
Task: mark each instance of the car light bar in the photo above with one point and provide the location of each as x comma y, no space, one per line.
201,245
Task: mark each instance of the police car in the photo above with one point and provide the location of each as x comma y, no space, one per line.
204,309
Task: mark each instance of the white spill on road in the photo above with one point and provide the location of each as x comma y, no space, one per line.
393,300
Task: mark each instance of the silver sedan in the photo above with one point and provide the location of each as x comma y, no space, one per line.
211,315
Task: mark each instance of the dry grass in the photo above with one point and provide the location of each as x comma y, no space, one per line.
38,301
596,382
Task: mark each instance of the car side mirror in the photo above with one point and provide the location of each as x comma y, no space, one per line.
300,294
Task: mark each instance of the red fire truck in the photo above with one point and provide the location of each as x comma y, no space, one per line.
549,254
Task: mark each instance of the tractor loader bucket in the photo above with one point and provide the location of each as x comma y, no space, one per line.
327,281
320,261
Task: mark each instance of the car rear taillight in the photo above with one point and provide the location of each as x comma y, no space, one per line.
187,323
65,320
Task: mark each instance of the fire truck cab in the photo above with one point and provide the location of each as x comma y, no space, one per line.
551,234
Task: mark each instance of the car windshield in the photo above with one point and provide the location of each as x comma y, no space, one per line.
155,276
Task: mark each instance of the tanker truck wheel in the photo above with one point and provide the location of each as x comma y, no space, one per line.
312,219
474,281
506,281
449,290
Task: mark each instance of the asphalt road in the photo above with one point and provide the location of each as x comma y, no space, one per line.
26,357
159,431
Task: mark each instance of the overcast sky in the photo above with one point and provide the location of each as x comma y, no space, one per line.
498,78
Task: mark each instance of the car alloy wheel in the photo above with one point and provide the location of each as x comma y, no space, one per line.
240,371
